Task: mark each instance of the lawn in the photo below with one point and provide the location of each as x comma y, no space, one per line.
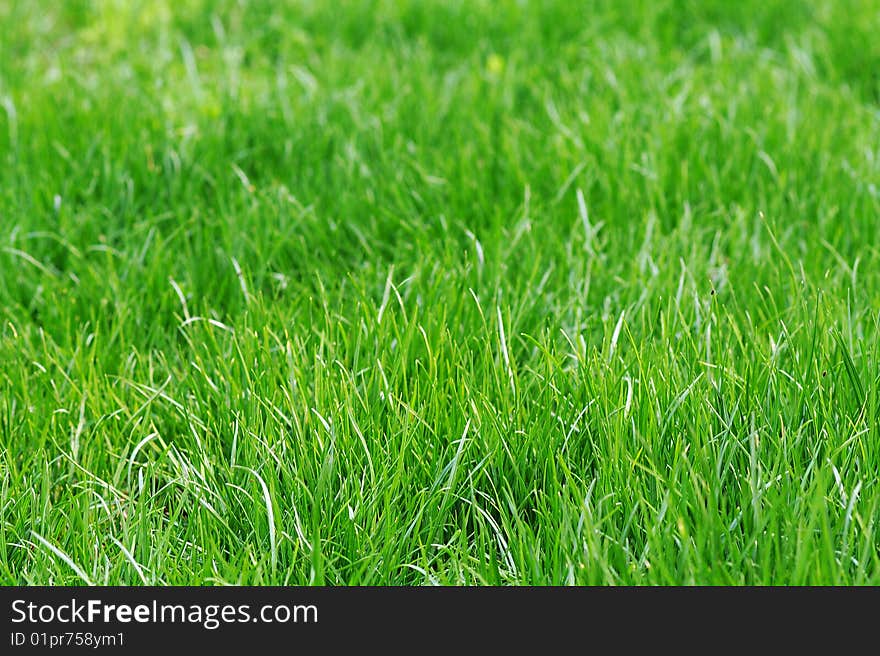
439,292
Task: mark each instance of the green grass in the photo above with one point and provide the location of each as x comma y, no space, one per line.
439,292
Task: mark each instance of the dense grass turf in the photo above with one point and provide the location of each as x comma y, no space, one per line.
439,292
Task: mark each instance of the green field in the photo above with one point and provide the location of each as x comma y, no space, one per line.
439,292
